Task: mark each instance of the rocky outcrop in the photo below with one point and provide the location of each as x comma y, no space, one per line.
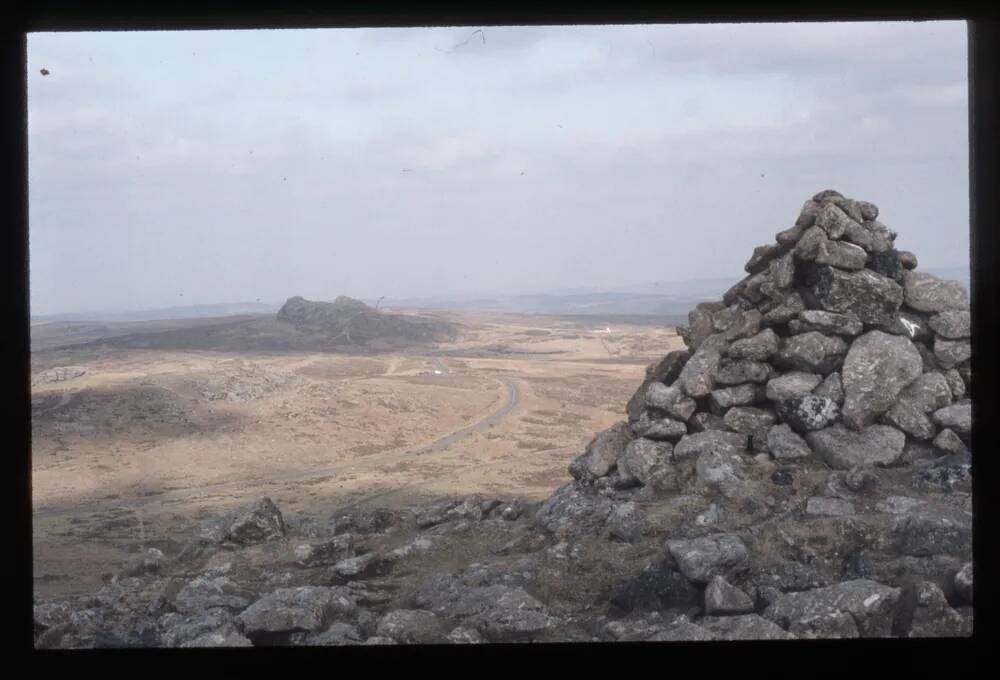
351,322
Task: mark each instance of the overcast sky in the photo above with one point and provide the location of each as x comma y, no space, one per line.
176,168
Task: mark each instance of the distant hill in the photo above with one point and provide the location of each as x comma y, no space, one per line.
185,312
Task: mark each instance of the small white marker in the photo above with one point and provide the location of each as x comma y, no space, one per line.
437,372
871,600
911,327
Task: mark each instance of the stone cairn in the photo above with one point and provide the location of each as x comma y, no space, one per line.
832,347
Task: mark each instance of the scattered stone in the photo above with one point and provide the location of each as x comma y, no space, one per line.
843,448
828,625
263,522
721,597
817,506
746,627
859,479
336,635
696,378
955,384
626,522
203,593
357,567
832,388
871,605
411,627
761,258
288,610
655,589
705,421
463,635
328,552
700,559
930,529
572,508
907,259
665,371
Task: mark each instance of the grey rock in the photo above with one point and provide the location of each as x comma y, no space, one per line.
379,640
464,635
783,309
701,559
950,353
759,347
626,522
807,412
655,588
955,383
847,324
659,429
671,400
747,419
911,420
947,442
684,631
307,608
885,261
701,325
411,627
851,207
952,324
746,627
641,458
357,567
876,369
833,220
336,635
262,522
963,582
957,417
869,211
572,508
909,324
785,445
843,448
842,255
63,373
602,453
694,445
762,256
792,384
927,293
727,397
932,615
872,297
907,259
721,471
928,529
203,593
704,422
807,216
502,613
328,552
871,605
808,244
178,629
827,196
228,638
696,378
735,323
664,371
832,388
828,625
928,392
811,352
418,546
731,372
782,271
721,597
859,479
818,506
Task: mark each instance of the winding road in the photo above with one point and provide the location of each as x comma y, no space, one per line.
440,444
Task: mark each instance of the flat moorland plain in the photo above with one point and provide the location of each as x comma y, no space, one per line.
174,422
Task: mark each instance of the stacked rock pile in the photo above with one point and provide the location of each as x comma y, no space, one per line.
833,347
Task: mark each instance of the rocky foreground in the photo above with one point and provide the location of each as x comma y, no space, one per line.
802,470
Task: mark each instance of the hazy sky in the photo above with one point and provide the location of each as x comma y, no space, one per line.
176,168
